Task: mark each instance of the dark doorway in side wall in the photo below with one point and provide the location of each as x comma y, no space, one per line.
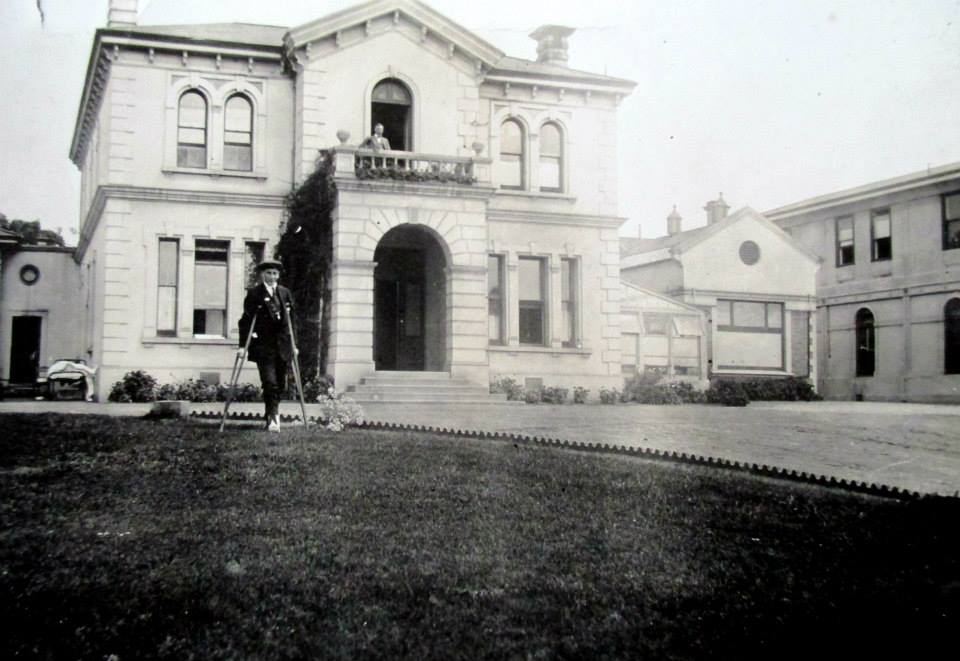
25,349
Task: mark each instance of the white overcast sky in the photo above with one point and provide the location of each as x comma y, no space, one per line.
769,102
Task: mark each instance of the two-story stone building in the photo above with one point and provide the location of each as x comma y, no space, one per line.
889,287
189,137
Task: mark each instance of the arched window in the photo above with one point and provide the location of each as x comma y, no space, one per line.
551,158
391,105
192,130
511,155
951,337
866,339
238,134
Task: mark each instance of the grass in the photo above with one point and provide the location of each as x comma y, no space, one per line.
146,539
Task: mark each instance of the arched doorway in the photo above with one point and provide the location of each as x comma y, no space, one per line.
409,301
391,105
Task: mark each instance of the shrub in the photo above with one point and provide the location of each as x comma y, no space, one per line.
609,395
136,386
533,395
554,395
580,395
687,393
788,389
728,393
509,387
653,395
338,412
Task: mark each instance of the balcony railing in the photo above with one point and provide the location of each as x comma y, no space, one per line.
386,165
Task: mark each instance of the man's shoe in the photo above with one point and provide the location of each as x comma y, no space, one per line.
274,423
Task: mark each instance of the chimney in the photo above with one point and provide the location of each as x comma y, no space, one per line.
674,222
639,231
552,44
122,14
716,210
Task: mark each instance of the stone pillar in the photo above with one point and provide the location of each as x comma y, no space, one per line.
350,354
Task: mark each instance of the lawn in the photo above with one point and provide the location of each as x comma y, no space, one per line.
143,539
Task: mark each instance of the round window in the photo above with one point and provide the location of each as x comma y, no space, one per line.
29,274
749,253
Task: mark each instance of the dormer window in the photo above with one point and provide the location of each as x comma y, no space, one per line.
192,130
392,105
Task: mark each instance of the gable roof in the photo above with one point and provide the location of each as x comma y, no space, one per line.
631,290
419,12
683,241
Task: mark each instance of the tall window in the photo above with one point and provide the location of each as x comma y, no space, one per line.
192,130
168,267
951,221
880,236
253,255
551,158
866,338
568,301
238,134
951,337
495,290
511,155
391,104
210,288
532,310
845,241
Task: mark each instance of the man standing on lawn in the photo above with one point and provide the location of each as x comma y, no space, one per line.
271,345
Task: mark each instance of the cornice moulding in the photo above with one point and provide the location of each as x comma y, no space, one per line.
548,218
108,192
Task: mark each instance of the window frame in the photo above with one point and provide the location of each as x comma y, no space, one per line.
499,300
838,242
249,132
949,221
218,245
874,239
559,158
194,91
530,304
733,327
168,332
573,302
521,156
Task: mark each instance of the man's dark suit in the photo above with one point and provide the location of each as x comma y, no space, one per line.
271,347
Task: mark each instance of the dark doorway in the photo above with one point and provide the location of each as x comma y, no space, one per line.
866,340
391,105
398,317
25,349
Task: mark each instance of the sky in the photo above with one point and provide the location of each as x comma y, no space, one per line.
769,102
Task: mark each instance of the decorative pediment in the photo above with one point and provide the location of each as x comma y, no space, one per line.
378,16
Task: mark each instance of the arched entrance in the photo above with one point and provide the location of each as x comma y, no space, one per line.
410,301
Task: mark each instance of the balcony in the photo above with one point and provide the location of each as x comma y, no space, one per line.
405,167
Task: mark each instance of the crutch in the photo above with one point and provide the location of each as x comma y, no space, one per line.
296,367
238,362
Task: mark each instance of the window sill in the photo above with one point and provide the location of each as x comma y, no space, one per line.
730,371
537,195
216,173
556,351
216,341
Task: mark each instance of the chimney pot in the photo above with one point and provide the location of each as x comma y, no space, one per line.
716,210
122,14
552,43
674,222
